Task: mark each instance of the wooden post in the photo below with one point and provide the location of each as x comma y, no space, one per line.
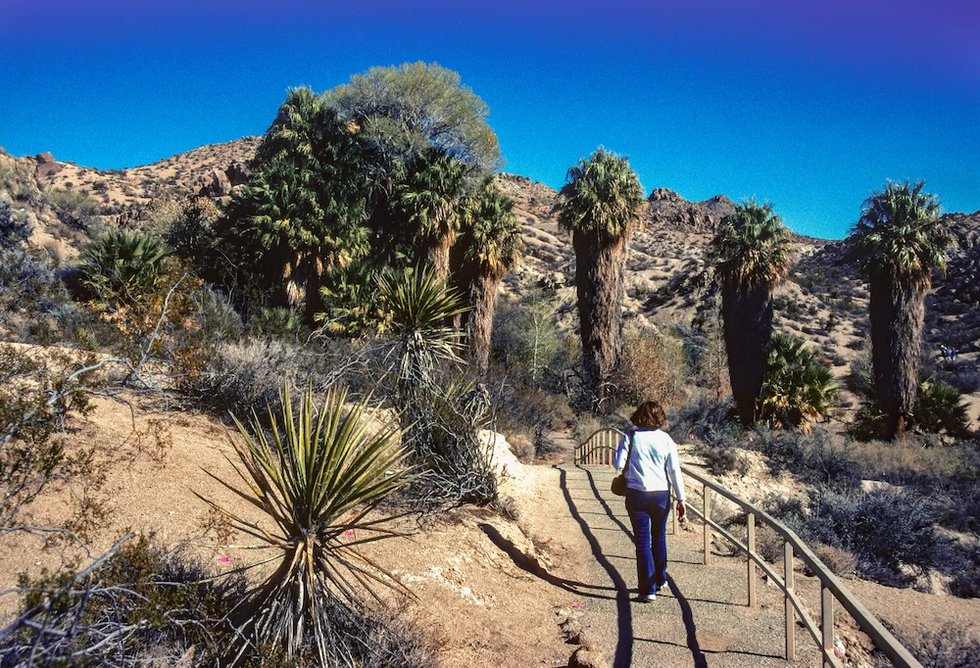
750,543
707,527
790,611
827,622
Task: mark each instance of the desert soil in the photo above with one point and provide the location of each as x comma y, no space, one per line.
492,589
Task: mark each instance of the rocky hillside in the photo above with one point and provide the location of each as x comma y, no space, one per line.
824,299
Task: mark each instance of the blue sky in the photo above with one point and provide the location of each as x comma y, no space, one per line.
808,105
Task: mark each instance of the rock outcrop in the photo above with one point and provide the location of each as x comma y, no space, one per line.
668,209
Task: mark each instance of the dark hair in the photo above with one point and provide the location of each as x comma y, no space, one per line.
649,415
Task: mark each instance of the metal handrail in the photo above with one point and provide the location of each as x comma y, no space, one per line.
831,588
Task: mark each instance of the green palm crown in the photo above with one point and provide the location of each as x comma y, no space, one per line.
900,235
602,197
751,247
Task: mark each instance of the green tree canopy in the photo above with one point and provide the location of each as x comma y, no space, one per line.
400,112
751,247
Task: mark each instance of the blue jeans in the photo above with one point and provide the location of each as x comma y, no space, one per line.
648,514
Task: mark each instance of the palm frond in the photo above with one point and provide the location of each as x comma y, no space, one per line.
601,198
751,246
900,235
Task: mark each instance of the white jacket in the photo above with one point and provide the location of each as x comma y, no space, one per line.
654,465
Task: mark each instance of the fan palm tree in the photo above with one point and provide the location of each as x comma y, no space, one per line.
491,244
428,204
750,253
303,211
600,205
898,241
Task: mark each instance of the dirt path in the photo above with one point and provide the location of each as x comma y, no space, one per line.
702,621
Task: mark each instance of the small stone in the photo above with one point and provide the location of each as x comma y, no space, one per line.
571,629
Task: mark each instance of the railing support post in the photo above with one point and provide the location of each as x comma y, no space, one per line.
827,622
707,527
750,543
790,611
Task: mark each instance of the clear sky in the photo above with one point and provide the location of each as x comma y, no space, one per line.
810,105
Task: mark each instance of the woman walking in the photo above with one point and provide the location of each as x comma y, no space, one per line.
653,469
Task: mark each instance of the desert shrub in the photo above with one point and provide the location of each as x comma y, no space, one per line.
705,421
244,375
18,179
963,377
123,267
34,304
216,315
820,457
525,341
13,230
142,601
966,580
276,322
454,465
39,392
949,647
75,209
798,388
913,460
530,409
883,528
838,560
652,365
192,234
722,460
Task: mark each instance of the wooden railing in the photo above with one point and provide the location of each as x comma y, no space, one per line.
832,591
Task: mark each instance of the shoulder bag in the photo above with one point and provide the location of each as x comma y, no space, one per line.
618,486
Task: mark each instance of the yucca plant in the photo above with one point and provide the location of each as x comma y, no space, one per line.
798,388
122,266
420,307
316,475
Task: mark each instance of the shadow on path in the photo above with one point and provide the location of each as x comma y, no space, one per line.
531,565
690,628
624,615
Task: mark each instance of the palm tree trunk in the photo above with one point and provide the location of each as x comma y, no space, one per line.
314,279
747,316
896,314
483,303
438,256
599,287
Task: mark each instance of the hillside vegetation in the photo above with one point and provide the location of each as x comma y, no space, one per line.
363,301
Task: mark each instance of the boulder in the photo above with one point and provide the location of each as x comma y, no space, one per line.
586,657
46,164
217,185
